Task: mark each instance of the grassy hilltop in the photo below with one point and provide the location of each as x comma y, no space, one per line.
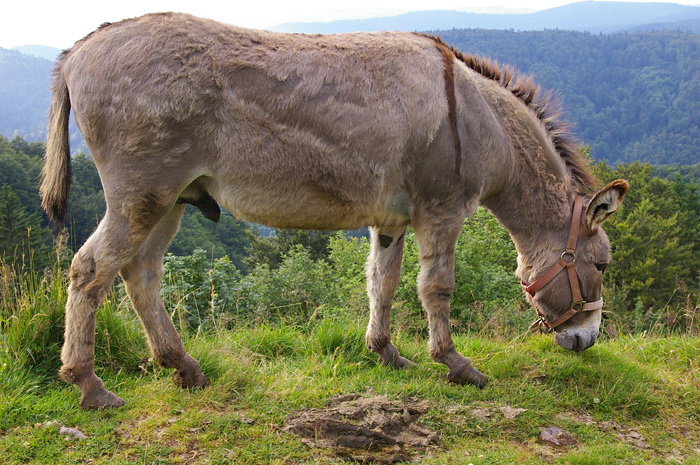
631,399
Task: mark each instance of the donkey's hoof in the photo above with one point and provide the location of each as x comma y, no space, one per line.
389,356
467,374
101,398
190,380
402,362
189,375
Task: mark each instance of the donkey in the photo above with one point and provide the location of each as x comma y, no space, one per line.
385,129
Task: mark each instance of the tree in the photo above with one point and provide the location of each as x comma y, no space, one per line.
23,241
228,237
33,149
20,171
654,238
270,250
86,200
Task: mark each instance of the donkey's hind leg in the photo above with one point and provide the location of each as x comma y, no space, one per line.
92,272
436,242
142,276
383,273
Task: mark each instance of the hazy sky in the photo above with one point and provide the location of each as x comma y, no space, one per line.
60,24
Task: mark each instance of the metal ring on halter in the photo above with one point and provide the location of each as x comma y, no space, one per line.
571,254
544,326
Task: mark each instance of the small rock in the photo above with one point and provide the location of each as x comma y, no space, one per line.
577,417
633,437
74,432
556,436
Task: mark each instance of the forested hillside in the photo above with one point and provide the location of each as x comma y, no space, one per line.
631,96
24,94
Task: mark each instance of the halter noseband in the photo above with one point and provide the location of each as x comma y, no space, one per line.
567,259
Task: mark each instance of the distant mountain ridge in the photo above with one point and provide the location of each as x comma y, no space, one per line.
25,96
589,16
39,51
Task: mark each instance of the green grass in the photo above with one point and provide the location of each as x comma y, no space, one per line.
631,387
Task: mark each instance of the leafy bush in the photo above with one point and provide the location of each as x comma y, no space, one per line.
296,290
201,293
347,258
487,292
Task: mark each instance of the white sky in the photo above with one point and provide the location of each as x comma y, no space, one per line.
60,23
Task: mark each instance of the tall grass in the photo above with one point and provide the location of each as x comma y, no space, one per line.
32,312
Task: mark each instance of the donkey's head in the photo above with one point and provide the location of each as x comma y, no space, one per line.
567,291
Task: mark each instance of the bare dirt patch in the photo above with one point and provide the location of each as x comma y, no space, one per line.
366,429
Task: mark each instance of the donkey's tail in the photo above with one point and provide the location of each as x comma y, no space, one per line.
55,176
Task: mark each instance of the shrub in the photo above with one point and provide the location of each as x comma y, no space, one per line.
296,290
201,293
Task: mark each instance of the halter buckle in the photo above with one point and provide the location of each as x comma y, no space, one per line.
541,325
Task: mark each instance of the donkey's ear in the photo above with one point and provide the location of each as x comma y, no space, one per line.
605,203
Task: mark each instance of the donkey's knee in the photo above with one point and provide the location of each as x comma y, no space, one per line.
436,286
142,275
435,295
88,279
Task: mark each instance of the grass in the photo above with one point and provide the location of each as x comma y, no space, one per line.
634,399
631,400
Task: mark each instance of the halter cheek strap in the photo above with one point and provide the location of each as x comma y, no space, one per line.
566,261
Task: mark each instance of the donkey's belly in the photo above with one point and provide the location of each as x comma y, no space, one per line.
311,207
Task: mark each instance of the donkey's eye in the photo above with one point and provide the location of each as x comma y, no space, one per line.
601,267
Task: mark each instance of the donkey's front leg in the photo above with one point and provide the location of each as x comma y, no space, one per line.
383,273
436,246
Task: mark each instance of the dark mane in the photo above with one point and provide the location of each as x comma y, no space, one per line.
544,105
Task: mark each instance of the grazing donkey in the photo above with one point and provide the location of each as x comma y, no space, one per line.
324,132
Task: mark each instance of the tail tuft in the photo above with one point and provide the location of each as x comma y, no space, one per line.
55,175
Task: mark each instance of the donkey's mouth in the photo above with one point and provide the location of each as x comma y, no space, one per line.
576,340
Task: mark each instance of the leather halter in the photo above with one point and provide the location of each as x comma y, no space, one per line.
566,261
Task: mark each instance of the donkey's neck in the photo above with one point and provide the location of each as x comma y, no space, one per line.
531,196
